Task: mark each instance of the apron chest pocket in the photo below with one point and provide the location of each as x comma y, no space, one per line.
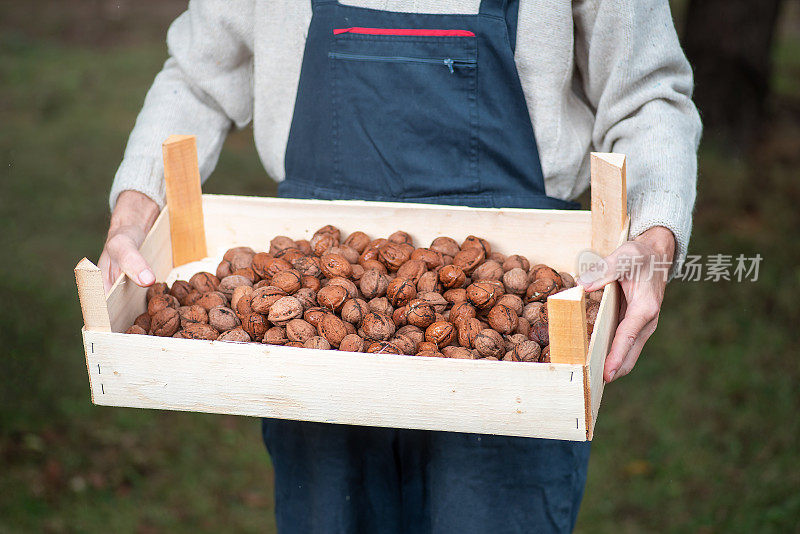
405,121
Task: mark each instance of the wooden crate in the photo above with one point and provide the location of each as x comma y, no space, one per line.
556,400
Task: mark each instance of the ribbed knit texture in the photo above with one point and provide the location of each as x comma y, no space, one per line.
604,75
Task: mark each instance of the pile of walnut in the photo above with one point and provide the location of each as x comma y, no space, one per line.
363,295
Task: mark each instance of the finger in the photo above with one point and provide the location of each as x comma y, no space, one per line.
610,272
130,261
637,317
636,350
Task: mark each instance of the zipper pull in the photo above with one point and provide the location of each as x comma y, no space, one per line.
449,64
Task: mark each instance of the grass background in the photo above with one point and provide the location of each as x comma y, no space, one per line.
700,438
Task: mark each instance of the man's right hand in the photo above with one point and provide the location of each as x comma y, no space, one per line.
132,218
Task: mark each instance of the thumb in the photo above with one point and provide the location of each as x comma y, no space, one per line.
130,261
600,272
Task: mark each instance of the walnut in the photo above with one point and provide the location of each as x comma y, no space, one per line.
516,281
523,327
165,322
512,301
515,261
488,270
284,310
235,334
239,293
400,316
159,288
358,271
420,313
496,256
264,297
358,241
400,291
143,321
383,347
483,294
136,329
405,344
428,282
441,332
307,297
314,316
191,298
276,336
241,260
231,252
180,289
192,314
200,331
469,259
332,297
489,343
223,318
289,254
532,311
255,325
477,242
393,255
348,285
311,283
434,299
352,343
243,303
347,252
412,269
161,301
596,295
567,280
377,326
540,332
540,289
373,284
425,346
373,265
223,269
401,237
308,266
430,354
502,319
331,230
280,243
468,330
527,351
461,312
289,281
322,243
455,295
213,299
445,245
416,334
431,258
317,342
304,246
545,356
260,263
459,353
299,345
512,340
204,282
332,329
334,265
543,271
354,310
228,284
380,305
452,276
300,330
273,267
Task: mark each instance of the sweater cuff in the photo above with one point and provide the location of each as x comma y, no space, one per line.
142,174
654,207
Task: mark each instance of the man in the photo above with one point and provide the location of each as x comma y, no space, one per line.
426,101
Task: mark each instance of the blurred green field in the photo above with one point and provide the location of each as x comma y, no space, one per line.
700,438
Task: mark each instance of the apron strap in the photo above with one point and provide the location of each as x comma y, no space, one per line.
507,10
316,3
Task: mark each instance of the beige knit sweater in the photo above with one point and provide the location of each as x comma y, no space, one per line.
605,75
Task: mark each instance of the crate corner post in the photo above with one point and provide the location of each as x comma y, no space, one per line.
609,200
184,199
92,296
566,313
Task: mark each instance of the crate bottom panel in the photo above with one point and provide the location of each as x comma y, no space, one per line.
505,398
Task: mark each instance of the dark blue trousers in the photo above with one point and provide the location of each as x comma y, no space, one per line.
348,479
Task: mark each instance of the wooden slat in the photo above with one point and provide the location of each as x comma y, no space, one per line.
609,200
126,300
182,177
92,296
554,237
602,335
517,399
566,313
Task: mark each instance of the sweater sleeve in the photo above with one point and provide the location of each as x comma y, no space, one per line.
636,77
204,88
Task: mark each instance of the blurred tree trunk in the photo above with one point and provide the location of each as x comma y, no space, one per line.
729,44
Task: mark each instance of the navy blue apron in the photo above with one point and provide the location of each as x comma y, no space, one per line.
416,108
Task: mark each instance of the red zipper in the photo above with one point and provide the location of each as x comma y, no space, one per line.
405,31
